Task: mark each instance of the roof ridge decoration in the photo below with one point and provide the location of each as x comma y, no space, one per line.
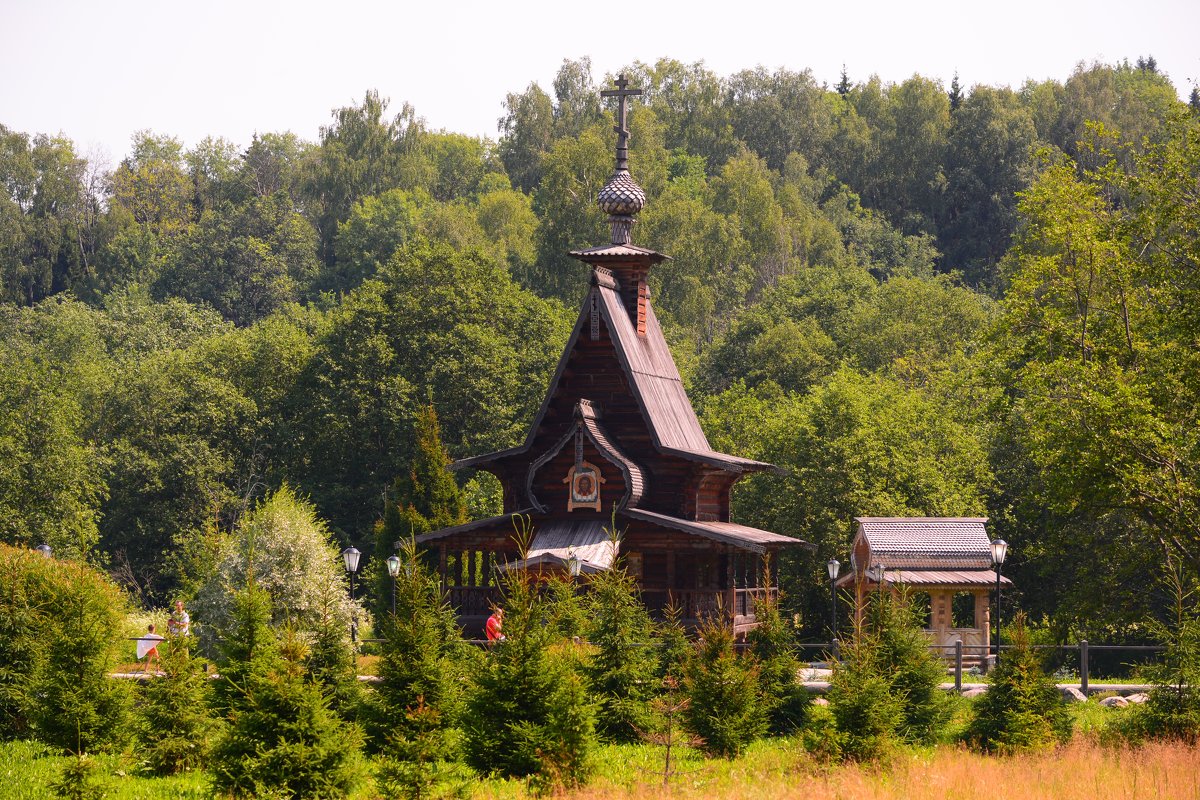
621,198
587,414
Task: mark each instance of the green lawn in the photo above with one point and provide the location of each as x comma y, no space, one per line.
28,769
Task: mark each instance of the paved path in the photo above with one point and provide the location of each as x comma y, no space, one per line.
816,680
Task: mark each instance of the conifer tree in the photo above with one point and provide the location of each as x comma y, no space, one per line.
914,672
177,724
956,93
422,658
418,762
1022,709
866,713
528,713
886,688
331,661
725,704
423,498
283,739
673,645
843,85
246,643
773,644
622,668
1173,708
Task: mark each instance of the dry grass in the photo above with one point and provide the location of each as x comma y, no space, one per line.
1082,771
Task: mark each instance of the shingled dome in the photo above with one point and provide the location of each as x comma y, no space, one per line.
621,195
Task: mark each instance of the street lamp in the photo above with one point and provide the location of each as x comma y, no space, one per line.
999,550
574,564
351,555
877,572
833,567
393,565
44,549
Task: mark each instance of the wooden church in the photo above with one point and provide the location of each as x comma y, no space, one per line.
616,441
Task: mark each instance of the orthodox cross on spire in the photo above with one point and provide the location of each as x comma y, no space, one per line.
622,127
621,198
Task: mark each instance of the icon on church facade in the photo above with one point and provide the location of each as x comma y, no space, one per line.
584,480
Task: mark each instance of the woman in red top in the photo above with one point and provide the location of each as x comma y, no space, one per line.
493,627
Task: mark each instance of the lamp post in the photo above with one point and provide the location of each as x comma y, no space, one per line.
574,564
833,567
877,572
351,555
999,550
44,549
393,565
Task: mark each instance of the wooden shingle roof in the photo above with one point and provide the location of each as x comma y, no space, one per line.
927,543
555,541
742,536
653,377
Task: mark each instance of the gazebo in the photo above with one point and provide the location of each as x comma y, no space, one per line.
942,563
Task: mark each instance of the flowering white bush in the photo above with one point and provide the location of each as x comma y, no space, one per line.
289,552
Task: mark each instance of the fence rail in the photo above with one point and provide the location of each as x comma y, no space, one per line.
959,649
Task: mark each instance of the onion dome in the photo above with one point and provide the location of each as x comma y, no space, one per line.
621,195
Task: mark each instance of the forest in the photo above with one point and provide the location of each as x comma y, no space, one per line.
917,299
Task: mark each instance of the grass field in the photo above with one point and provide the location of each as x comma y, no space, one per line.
777,769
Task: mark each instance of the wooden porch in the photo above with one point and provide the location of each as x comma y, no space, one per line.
475,603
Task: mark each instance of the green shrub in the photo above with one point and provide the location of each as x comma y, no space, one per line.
66,625
621,670
284,548
81,779
773,644
1022,709
725,704
23,605
1173,708
283,739
177,723
528,713
820,737
866,712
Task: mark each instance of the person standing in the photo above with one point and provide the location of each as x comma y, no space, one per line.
494,626
180,623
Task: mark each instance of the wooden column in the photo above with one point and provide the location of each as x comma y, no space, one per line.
730,583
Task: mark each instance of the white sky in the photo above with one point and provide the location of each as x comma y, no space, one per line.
99,70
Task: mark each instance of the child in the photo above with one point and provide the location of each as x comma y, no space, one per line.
147,648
